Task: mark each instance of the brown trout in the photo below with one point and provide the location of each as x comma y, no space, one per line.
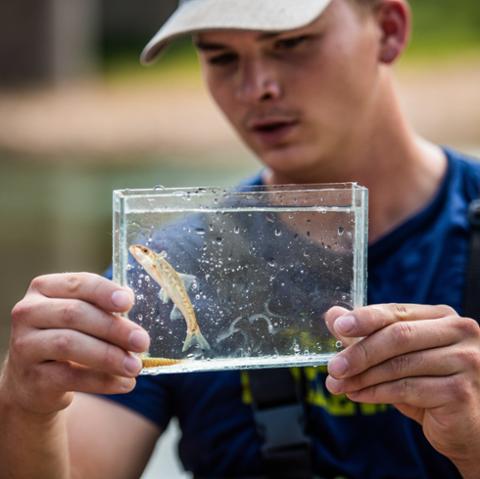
172,287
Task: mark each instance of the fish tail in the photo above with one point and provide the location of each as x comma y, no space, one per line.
195,337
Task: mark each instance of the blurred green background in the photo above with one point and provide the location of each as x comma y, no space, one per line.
80,117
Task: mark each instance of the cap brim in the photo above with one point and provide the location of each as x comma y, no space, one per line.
200,15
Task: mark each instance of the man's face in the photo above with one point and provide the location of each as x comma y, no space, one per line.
296,97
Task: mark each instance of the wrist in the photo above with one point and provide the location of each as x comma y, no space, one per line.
12,408
469,469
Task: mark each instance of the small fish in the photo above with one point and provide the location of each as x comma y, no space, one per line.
155,362
172,287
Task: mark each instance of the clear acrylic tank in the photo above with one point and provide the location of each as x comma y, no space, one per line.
240,278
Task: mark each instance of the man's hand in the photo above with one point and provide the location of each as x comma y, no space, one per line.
425,360
66,336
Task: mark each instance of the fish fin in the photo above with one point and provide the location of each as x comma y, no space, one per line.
195,338
175,313
163,295
189,280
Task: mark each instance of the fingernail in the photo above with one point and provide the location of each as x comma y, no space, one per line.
139,340
345,324
338,366
333,385
121,298
132,364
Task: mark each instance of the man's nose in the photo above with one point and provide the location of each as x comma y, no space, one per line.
258,82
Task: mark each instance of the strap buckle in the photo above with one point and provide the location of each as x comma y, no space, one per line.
474,213
281,426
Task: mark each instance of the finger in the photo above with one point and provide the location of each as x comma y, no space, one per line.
421,392
433,362
368,319
85,286
64,376
330,317
85,317
73,346
395,340
332,314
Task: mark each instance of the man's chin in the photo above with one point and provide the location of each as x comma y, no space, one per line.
287,160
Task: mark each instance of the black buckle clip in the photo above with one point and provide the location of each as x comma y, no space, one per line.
474,213
281,426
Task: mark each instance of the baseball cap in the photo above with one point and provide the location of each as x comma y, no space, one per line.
265,15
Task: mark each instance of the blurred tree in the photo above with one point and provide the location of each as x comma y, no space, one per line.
47,41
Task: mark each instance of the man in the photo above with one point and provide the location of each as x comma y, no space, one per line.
308,87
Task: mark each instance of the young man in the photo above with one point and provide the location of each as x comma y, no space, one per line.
308,86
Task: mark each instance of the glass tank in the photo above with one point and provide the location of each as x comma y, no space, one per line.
235,279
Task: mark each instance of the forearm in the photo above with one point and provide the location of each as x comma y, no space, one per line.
31,445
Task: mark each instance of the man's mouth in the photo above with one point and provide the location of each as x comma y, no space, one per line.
272,130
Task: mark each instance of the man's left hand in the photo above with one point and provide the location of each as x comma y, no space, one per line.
425,360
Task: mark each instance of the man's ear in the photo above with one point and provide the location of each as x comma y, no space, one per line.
393,17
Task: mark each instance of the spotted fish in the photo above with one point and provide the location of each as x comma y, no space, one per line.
173,286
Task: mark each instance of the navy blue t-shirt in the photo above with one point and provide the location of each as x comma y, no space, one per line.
422,261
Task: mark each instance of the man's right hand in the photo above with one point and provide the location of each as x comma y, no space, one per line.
67,337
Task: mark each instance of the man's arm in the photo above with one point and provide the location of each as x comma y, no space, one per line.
109,440
66,337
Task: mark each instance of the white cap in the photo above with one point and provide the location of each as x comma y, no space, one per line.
264,15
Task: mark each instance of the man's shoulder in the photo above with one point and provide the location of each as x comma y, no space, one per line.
462,160
464,172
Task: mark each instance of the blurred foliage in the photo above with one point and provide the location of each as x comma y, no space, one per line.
441,30
121,62
445,28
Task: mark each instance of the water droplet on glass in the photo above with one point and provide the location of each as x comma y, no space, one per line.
200,231
341,230
338,344
158,187
278,232
236,229
270,218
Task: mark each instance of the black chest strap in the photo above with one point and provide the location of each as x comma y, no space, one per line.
278,408
472,287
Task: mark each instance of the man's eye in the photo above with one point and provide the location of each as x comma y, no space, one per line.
290,43
223,59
